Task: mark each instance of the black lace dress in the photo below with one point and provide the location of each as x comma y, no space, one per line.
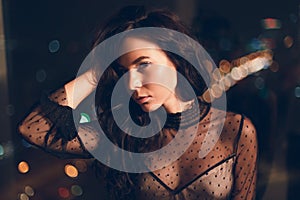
228,171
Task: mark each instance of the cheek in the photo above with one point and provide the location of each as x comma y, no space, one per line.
165,77
160,93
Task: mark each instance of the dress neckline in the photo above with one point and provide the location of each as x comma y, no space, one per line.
188,117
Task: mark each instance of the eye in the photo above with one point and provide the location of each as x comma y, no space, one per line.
144,64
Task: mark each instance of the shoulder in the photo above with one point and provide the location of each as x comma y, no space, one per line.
230,121
234,124
239,120
245,129
248,133
242,122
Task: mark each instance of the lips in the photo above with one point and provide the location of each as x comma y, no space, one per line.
142,99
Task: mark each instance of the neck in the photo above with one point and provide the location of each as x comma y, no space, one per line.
192,114
178,105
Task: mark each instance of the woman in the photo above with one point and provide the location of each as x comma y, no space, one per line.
227,170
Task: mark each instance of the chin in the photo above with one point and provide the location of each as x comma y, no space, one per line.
150,107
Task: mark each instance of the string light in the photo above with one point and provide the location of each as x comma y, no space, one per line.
228,81
216,90
207,96
243,67
235,74
216,75
224,66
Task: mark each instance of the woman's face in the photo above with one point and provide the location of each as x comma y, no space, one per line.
152,77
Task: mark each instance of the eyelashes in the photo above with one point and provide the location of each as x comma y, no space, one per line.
144,65
120,70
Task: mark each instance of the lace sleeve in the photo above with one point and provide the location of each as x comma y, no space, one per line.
246,164
50,126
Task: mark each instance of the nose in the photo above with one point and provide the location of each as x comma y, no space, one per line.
134,79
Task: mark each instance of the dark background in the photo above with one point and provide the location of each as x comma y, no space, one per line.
227,29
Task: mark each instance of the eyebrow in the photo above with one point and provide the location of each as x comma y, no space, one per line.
139,59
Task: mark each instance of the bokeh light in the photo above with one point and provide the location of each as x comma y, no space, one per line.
256,65
81,166
228,81
29,191
1,150
243,60
84,118
41,75
76,190
209,65
274,67
7,149
54,46
235,74
217,90
288,41
71,171
23,196
255,44
224,66
259,83
207,97
297,91
23,167
216,75
243,70
63,192
271,23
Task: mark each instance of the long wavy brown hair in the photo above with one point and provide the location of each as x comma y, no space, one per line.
120,184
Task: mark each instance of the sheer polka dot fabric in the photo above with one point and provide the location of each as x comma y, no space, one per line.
39,130
228,171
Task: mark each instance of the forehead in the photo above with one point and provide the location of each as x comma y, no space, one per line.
135,48
136,43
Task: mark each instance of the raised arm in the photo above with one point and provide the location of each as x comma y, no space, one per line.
50,124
